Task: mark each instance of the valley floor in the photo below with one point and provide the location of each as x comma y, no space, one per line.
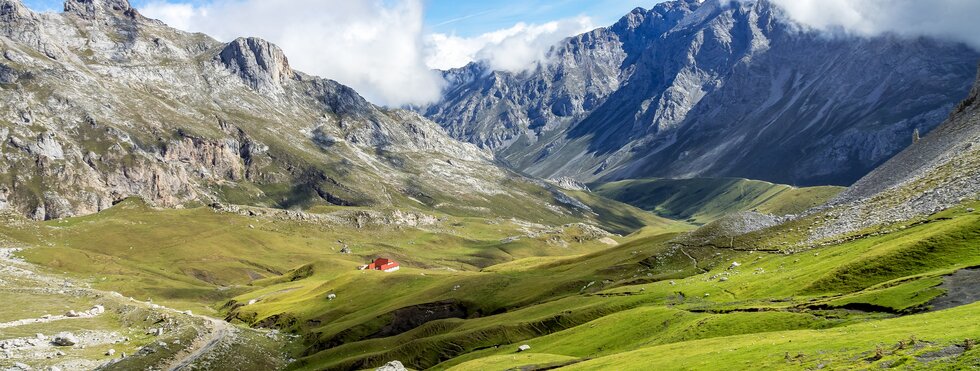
471,291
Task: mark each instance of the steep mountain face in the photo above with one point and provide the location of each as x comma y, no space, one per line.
100,103
712,88
935,173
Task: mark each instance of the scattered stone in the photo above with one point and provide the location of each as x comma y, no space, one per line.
346,250
110,352
673,283
723,279
253,301
40,336
734,265
72,314
331,296
65,339
22,366
155,331
392,366
524,348
970,210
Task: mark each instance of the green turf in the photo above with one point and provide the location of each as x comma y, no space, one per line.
702,200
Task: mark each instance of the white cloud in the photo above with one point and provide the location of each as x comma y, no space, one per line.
374,46
511,49
949,19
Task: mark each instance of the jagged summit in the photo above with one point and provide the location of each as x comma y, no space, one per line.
262,64
92,9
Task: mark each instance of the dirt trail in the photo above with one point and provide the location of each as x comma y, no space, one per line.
218,331
17,275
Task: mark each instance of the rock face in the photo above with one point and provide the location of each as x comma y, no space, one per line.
934,174
99,103
263,65
709,88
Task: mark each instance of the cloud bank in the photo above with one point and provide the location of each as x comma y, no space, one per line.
511,49
947,19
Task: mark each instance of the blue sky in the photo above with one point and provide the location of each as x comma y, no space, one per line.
469,17
473,17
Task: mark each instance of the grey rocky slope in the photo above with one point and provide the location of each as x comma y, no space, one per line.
99,103
936,173
693,88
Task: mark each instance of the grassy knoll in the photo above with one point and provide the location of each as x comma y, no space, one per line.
701,200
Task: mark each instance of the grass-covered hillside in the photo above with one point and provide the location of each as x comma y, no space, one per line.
702,200
471,290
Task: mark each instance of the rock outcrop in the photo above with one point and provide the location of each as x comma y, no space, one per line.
261,64
709,88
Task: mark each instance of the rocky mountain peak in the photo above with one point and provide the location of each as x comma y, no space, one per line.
12,9
262,64
12,13
91,9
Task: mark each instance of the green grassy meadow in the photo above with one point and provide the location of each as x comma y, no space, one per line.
473,289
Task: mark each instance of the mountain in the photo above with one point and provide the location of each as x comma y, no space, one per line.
710,89
100,103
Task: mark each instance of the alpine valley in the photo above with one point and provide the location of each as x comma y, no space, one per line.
703,185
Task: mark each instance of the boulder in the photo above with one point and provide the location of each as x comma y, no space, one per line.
392,366
65,339
524,348
110,352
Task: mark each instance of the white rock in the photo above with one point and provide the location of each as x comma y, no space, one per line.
392,366
72,314
524,348
735,265
331,296
111,352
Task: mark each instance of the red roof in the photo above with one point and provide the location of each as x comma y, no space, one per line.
382,264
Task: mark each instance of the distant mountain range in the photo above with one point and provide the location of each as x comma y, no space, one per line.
693,89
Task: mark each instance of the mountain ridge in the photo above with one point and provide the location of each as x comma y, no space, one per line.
101,104
691,89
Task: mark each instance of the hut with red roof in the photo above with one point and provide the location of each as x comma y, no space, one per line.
383,264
